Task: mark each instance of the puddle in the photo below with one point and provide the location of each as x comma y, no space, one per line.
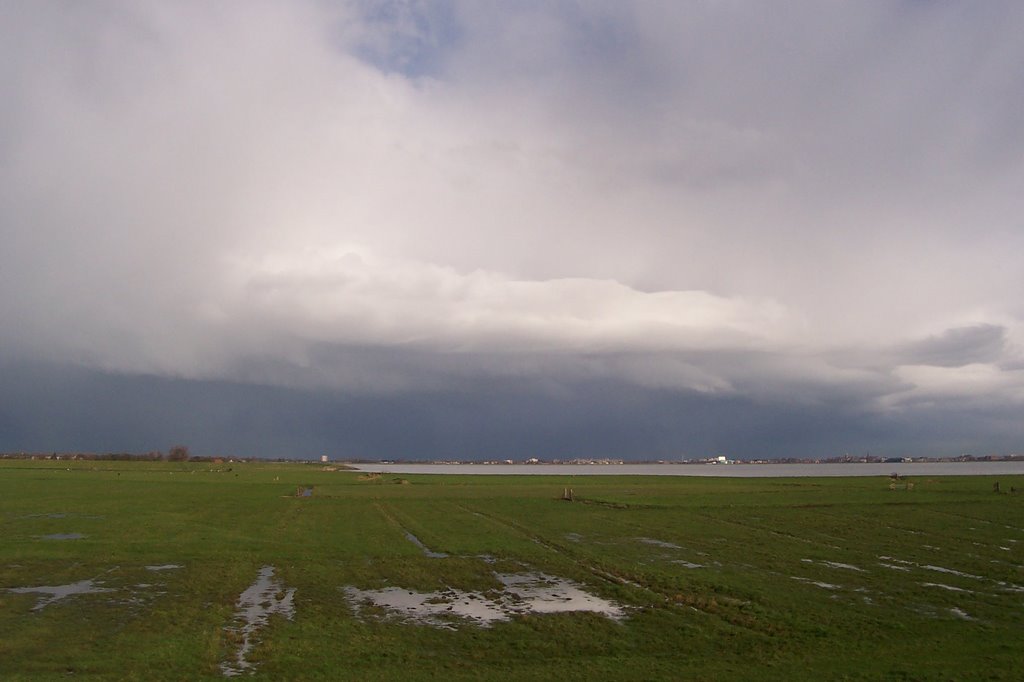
304,492
836,564
658,543
688,564
52,593
426,550
950,588
950,571
62,536
961,614
523,593
61,515
163,567
573,537
893,566
1009,587
255,605
817,583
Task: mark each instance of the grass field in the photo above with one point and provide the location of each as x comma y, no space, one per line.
783,579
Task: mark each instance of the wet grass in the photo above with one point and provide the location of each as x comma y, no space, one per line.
721,578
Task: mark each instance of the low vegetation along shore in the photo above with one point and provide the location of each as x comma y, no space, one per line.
187,570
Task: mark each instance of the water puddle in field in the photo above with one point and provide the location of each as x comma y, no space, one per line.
905,566
949,588
61,515
304,492
163,567
53,593
835,564
426,550
522,593
961,614
688,564
1009,587
573,537
950,571
658,543
254,607
817,583
847,567
62,536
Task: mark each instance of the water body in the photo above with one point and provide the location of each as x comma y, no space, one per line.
62,536
725,470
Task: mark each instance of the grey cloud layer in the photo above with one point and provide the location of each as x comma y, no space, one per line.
725,199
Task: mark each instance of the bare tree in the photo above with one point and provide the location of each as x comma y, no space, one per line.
178,453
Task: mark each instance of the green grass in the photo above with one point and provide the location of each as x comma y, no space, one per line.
751,608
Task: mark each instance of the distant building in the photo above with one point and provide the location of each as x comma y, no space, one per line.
323,458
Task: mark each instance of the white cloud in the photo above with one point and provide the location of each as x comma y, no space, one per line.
723,199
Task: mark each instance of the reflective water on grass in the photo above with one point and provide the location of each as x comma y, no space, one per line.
255,605
658,543
688,564
522,593
53,593
62,536
426,550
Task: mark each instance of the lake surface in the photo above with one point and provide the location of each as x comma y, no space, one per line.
727,470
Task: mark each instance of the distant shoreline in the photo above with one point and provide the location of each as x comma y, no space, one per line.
802,470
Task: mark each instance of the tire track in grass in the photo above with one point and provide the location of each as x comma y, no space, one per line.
390,516
764,529
708,606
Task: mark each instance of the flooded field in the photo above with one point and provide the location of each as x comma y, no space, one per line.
142,572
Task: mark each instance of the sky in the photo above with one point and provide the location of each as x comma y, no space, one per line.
483,229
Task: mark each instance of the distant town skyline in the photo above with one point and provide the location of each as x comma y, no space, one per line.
421,230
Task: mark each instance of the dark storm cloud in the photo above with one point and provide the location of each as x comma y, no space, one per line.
52,408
